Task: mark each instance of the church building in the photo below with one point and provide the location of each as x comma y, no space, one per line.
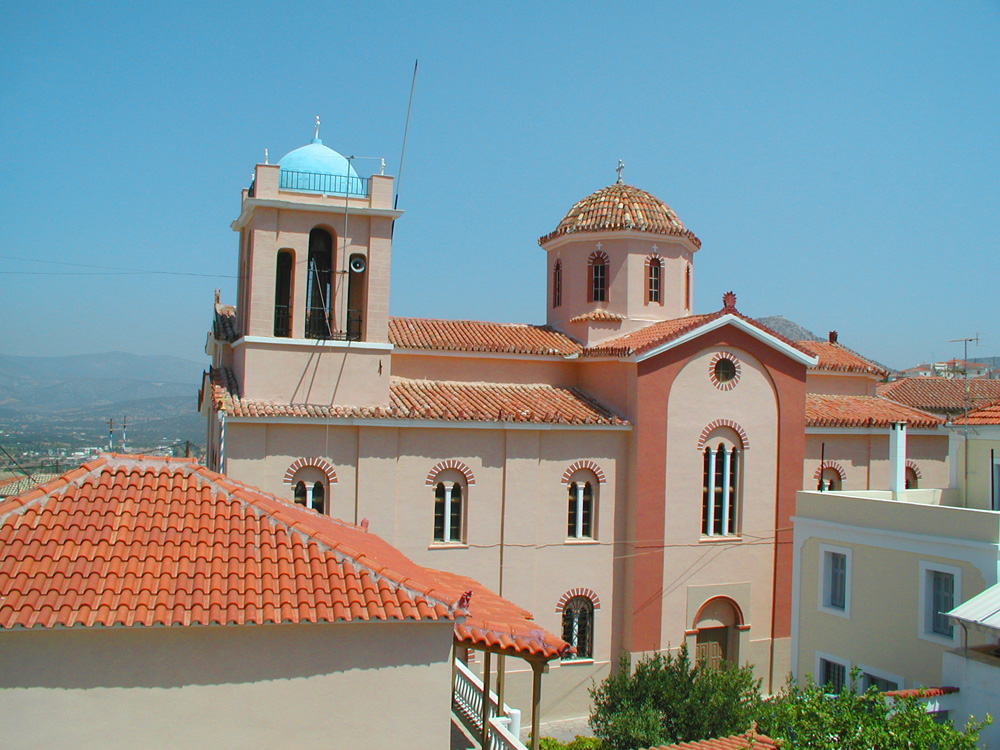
627,471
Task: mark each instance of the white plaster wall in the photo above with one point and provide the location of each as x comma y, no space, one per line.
304,686
977,677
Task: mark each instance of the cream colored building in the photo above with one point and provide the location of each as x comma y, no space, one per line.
873,573
976,457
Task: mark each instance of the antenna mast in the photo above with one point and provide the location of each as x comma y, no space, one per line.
406,130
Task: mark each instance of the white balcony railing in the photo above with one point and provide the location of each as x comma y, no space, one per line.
467,703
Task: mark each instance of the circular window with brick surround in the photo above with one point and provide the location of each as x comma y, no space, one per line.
724,371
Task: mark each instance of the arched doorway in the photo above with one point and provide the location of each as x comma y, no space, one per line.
717,625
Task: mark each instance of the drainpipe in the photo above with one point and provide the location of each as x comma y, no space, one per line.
897,458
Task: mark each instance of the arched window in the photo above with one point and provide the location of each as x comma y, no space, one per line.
319,290
448,528
310,495
283,294
654,281
720,489
557,284
578,626
911,480
830,480
582,507
598,272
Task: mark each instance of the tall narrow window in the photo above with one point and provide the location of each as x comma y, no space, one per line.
578,626
598,270
720,490
319,290
911,481
310,495
837,585
319,497
654,274
580,523
557,284
448,513
942,601
687,289
283,295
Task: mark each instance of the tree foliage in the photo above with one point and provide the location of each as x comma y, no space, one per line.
667,698
808,718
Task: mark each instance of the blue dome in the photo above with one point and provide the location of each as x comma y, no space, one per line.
319,169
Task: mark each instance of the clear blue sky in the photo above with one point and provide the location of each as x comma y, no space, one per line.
839,161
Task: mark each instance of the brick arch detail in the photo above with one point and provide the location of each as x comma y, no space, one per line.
818,474
916,469
587,593
451,463
586,465
734,426
598,257
740,622
651,257
319,463
729,384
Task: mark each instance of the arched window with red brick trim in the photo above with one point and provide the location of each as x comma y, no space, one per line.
597,273
557,284
654,281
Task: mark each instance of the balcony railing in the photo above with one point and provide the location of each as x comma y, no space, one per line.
313,182
467,703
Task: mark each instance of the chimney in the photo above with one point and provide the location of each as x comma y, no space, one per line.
897,458
833,337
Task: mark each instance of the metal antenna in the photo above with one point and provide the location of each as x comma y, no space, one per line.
965,368
406,130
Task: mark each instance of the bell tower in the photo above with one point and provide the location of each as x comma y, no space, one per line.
619,260
315,244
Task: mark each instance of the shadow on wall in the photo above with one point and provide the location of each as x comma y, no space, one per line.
168,657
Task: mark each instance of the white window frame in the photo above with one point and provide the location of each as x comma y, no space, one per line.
926,597
463,505
576,486
822,656
882,675
826,551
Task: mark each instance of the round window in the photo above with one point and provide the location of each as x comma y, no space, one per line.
725,370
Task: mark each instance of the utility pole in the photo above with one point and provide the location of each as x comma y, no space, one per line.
965,439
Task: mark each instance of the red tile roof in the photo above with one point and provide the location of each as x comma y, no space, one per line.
478,336
224,326
735,742
436,400
130,540
934,692
657,334
984,415
863,411
621,207
838,358
598,316
942,395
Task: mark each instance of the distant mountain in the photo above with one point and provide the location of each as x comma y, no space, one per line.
789,329
70,399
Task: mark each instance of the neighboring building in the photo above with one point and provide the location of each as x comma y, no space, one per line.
958,368
976,456
627,471
975,671
946,397
848,426
875,574
153,602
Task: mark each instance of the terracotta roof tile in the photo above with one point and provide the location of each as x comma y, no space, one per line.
224,326
735,742
621,207
931,692
942,395
598,316
984,415
436,400
839,358
478,336
657,334
863,411
129,540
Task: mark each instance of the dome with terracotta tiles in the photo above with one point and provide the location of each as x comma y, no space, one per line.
621,207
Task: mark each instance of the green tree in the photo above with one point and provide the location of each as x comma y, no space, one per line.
667,698
808,718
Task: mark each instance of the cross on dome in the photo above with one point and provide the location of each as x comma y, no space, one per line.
621,166
316,132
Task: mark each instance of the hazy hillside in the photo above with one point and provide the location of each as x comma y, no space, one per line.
70,399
